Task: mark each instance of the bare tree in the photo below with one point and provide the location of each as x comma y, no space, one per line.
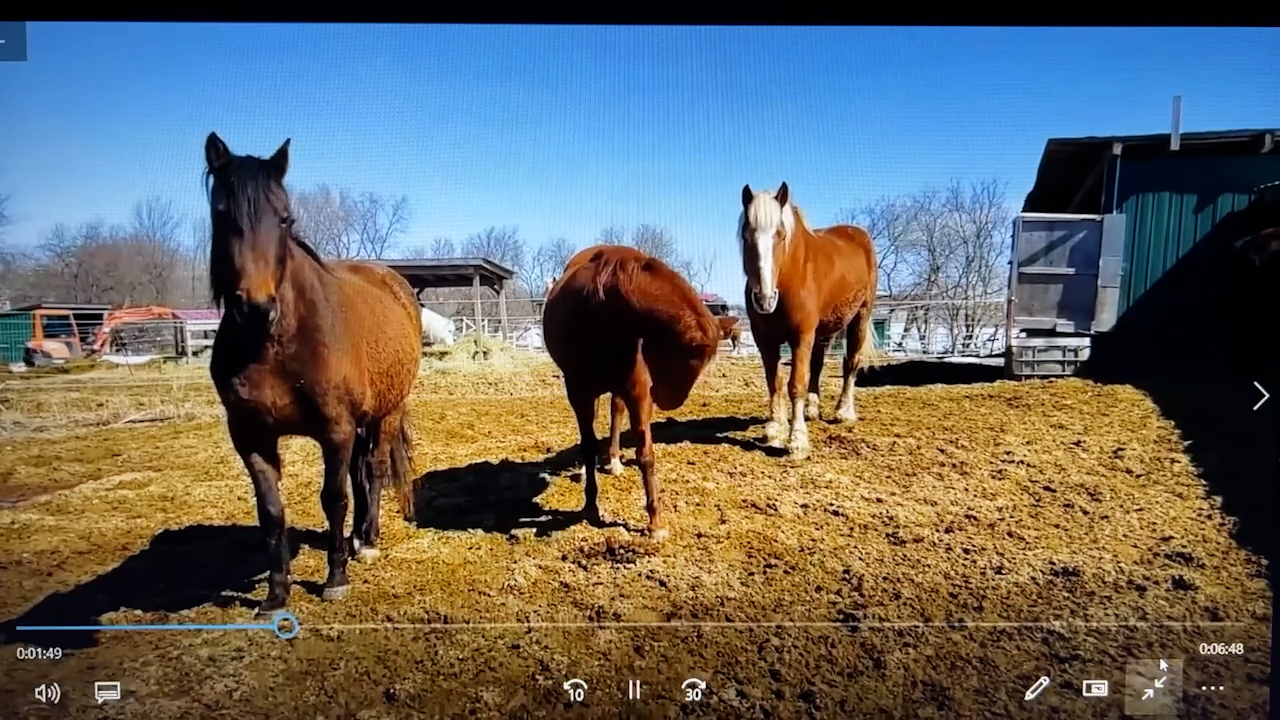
324,218
546,264
12,265
197,262
889,224
502,245
699,271
558,251
377,222
612,235
154,236
944,253
656,241
416,252
443,247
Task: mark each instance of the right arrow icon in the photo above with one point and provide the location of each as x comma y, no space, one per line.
1265,394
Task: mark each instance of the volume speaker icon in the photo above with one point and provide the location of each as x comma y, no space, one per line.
49,693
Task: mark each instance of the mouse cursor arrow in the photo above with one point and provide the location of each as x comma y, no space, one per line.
1163,666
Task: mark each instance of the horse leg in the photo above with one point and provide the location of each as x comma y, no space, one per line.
366,525
801,357
337,450
776,427
812,407
584,409
362,492
639,405
859,333
261,455
618,409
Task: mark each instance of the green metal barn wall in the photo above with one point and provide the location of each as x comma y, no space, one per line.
15,332
1171,203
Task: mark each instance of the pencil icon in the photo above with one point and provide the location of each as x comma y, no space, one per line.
1036,688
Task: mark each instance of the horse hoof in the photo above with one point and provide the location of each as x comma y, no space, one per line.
331,594
659,534
798,450
811,410
614,467
366,554
774,431
843,416
268,609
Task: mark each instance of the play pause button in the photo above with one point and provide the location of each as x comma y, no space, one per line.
633,689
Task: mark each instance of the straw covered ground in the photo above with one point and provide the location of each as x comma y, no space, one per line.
968,537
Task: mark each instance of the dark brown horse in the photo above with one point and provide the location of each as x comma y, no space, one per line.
803,287
730,330
325,349
623,323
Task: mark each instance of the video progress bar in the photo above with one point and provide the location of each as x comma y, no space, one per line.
778,624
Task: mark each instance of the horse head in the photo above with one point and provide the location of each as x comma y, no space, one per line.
252,226
728,324
765,228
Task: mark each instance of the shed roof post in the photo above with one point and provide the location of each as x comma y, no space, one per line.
502,308
475,302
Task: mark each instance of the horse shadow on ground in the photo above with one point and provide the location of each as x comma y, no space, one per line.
501,497
1195,343
917,373
180,569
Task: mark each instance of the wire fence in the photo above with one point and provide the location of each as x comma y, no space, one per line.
910,329
906,329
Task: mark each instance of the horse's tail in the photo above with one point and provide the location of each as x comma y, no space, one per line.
867,351
401,469
402,477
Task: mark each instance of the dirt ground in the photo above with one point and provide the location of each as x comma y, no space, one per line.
966,538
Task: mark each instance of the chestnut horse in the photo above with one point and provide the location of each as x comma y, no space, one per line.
729,330
325,349
803,287
620,322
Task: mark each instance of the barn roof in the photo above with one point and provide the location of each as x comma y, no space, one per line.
1072,170
451,272
74,307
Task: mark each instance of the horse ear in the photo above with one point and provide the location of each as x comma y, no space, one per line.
216,152
784,194
280,160
747,195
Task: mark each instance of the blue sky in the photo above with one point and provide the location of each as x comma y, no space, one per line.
563,130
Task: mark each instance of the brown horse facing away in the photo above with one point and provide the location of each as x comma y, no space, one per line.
803,287
623,323
731,331
325,349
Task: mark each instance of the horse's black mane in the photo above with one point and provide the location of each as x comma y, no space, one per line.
248,188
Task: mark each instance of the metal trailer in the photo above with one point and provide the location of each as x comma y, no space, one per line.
1064,286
